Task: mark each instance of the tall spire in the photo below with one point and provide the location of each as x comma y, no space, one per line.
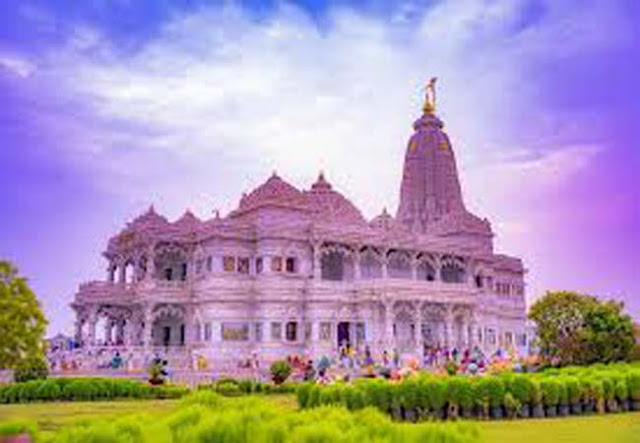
430,187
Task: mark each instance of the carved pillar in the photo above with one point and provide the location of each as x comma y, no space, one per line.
107,331
388,324
93,319
317,261
111,272
385,264
147,332
473,326
448,324
414,267
357,271
438,265
418,338
151,263
78,333
122,273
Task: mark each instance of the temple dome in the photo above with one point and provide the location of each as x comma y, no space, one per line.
188,222
148,221
383,221
275,191
330,206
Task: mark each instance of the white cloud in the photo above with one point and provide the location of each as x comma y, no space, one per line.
226,99
18,65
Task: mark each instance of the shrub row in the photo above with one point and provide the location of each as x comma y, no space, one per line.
611,389
205,416
230,387
85,389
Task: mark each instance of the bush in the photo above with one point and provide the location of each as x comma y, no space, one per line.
280,371
521,388
208,417
550,392
633,383
511,404
494,390
228,388
85,389
303,394
31,369
574,393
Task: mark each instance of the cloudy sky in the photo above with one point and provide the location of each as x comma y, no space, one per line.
108,106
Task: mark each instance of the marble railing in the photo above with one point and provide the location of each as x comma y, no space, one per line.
103,289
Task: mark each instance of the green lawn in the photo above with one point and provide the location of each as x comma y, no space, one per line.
613,428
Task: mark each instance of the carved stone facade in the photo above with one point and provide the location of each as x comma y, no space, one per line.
301,271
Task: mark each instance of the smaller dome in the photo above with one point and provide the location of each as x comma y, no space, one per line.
274,191
383,221
188,221
150,220
331,206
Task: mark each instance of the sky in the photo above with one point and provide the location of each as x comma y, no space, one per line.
108,106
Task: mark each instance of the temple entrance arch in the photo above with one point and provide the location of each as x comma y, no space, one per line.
168,326
404,327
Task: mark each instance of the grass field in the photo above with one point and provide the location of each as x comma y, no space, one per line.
614,428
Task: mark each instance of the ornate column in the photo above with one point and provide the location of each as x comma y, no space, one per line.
147,332
473,325
388,325
414,266
317,261
448,319
78,333
465,334
93,319
111,271
151,263
122,273
418,338
357,271
107,330
385,262
438,265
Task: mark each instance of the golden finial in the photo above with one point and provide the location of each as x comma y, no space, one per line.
429,106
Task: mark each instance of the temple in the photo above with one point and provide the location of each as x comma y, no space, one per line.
293,271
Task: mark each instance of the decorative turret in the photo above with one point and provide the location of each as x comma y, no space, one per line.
430,188
329,206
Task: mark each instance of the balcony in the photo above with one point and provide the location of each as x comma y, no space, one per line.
401,288
101,290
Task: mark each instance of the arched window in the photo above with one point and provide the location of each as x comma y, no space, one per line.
399,265
452,270
336,265
171,263
426,271
370,264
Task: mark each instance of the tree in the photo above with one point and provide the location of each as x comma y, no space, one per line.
580,329
22,323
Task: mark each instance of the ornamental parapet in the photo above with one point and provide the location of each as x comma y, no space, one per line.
98,290
434,291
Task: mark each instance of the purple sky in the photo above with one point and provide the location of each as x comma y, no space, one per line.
109,106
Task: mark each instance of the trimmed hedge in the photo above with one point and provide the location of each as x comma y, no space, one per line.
231,387
584,390
85,389
205,416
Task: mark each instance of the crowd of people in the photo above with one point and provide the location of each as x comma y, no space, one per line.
350,363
